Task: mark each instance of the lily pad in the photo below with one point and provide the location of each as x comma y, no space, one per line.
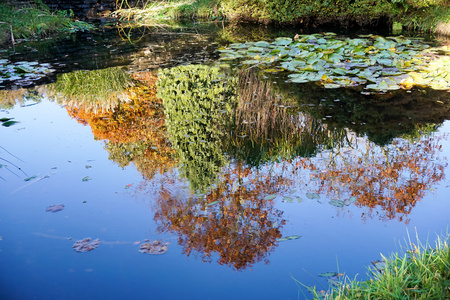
86,245
154,247
55,208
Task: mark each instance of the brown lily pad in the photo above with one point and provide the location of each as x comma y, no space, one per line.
86,245
154,247
55,208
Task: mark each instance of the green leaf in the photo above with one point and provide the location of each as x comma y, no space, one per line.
87,178
30,178
213,203
9,123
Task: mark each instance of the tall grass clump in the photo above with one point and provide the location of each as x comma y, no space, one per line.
421,273
98,89
34,21
151,12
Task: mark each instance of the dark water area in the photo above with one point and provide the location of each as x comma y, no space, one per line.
213,180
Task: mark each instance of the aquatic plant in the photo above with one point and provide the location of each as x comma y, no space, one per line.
23,73
378,63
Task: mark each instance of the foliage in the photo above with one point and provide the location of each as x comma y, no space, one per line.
422,273
232,220
97,89
153,11
378,63
197,101
321,11
38,21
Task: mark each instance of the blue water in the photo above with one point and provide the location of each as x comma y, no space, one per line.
37,260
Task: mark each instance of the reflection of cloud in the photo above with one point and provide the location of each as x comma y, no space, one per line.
232,220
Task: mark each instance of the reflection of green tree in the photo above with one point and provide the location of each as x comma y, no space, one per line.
382,117
197,100
268,128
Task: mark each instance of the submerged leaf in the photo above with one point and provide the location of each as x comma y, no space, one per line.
86,245
328,274
154,247
55,208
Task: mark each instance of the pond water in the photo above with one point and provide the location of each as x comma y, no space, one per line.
247,180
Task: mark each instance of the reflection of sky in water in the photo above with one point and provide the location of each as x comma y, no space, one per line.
37,258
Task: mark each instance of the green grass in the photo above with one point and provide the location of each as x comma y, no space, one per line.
34,21
421,273
154,11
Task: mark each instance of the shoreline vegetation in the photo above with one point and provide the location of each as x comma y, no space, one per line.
422,272
35,21
430,16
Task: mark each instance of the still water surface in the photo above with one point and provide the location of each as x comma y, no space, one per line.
274,180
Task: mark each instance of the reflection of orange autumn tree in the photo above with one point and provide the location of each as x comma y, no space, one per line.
389,180
232,220
135,129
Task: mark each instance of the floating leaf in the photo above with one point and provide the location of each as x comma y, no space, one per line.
87,178
288,199
30,178
289,238
312,196
270,197
337,203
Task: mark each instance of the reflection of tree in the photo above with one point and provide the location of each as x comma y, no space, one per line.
231,220
196,101
388,180
134,129
382,117
267,128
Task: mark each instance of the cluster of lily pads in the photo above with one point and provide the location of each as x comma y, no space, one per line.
375,62
23,72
